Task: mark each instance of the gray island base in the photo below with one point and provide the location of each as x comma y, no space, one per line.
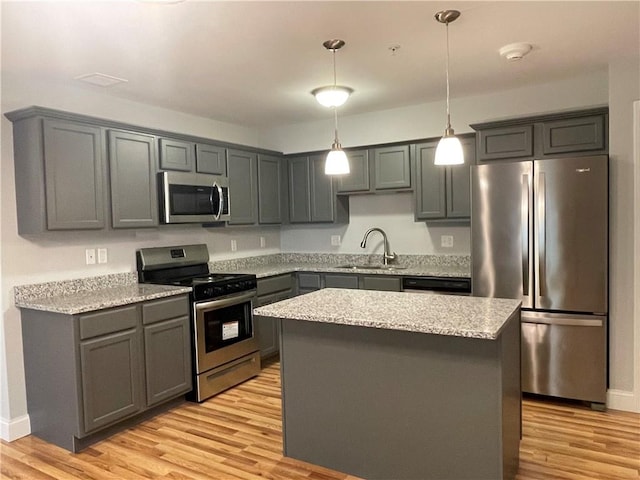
388,385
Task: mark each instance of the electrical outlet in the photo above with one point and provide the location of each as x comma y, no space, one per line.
234,245
90,256
446,241
335,240
263,242
102,255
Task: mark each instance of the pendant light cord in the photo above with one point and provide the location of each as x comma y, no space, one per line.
335,109
448,115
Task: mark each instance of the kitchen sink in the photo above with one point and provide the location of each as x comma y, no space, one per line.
370,267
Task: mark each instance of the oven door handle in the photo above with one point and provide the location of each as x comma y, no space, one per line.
225,302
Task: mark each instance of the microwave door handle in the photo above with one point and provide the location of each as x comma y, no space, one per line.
220,200
216,188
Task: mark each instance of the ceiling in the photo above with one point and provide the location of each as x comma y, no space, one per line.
254,63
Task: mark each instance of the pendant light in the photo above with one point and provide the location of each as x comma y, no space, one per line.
449,149
337,162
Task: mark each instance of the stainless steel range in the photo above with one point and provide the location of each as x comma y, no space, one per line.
225,349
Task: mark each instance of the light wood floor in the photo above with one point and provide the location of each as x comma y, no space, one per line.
237,435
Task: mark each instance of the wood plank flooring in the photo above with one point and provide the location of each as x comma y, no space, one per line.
237,435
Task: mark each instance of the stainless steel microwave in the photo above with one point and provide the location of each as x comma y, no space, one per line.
193,197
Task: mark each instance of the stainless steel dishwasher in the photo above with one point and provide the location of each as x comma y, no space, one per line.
440,285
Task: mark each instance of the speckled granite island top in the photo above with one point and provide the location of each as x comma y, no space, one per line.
451,315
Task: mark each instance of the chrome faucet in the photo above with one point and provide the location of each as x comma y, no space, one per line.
387,256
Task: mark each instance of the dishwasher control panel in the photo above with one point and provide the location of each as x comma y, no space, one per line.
453,285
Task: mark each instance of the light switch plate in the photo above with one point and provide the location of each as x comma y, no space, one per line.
102,255
263,242
446,241
234,245
335,240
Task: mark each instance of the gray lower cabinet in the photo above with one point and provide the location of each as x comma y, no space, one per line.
381,282
176,155
267,329
443,193
211,159
242,169
332,280
312,198
60,171
86,374
271,189
381,169
310,281
132,174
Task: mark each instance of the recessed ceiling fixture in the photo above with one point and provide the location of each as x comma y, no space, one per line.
515,51
337,162
100,79
332,95
449,149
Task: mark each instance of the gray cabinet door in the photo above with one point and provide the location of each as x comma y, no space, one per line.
392,167
505,142
322,194
299,190
167,359
211,159
573,135
269,189
381,282
458,183
74,176
340,281
176,155
110,373
358,179
243,187
132,169
430,184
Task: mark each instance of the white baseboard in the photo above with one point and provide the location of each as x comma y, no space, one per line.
11,430
623,400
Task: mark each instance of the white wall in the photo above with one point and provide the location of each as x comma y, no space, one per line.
60,255
624,89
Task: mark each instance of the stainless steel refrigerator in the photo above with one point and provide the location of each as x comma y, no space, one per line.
539,232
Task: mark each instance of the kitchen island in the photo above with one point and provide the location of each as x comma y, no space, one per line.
401,385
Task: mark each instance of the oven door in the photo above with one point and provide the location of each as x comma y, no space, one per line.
223,330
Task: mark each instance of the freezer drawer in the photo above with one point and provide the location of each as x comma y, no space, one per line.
564,356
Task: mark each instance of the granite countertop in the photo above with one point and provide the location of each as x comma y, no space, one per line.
87,295
460,316
328,263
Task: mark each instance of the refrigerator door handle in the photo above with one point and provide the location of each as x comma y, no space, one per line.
524,234
565,321
542,235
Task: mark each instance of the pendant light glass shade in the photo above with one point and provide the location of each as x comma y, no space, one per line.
332,96
449,149
337,162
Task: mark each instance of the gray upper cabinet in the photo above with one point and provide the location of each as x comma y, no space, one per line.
560,134
299,190
211,159
312,198
505,142
242,169
176,155
442,193
358,178
270,189
392,167
132,174
380,169
573,135
60,170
